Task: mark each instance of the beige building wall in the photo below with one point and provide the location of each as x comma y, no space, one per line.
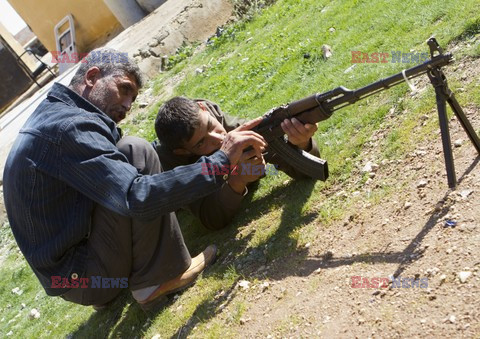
94,22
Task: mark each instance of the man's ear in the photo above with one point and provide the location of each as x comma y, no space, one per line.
181,151
92,75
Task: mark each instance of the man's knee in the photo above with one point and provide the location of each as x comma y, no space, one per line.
141,154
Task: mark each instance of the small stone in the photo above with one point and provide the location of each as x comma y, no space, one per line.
458,143
443,277
332,30
244,284
153,43
307,245
452,319
407,205
198,70
156,336
423,321
327,51
463,276
144,53
449,251
373,167
264,286
465,193
142,104
17,291
162,35
421,183
34,314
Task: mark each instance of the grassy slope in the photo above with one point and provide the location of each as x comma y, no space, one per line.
251,68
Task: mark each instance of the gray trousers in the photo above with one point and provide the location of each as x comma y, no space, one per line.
147,252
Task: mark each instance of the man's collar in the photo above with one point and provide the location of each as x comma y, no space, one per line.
72,98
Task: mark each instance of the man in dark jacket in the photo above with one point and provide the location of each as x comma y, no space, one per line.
91,212
188,129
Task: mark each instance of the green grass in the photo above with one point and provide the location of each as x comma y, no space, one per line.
255,65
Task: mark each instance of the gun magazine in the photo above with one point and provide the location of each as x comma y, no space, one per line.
302,161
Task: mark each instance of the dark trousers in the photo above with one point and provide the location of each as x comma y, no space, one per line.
147,252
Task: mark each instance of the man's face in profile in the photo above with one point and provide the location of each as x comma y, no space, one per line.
207,138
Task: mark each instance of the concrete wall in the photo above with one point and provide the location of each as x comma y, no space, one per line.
94,22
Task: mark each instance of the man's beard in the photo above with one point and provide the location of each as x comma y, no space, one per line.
98,96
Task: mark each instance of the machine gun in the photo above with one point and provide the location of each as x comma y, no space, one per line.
321,106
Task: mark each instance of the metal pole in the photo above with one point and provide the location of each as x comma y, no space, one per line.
457,109
447,145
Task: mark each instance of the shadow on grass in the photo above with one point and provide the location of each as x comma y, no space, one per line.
119,320
291,198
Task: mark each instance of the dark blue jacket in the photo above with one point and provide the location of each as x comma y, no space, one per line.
63,161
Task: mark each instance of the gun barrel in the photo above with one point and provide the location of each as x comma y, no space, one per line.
320,106
351,97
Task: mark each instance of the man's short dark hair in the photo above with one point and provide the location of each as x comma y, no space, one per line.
111,63
176,122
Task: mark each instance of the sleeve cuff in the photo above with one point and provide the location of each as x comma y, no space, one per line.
228,194
220,159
